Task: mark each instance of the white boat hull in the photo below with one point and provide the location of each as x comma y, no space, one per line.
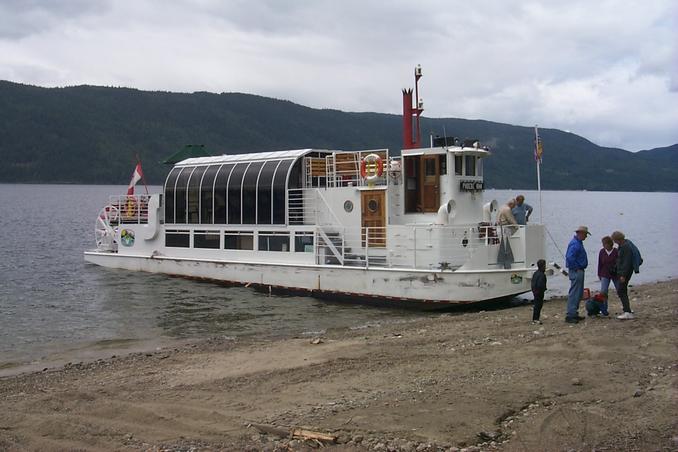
430,287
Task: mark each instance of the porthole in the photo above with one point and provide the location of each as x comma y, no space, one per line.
372,205
348,206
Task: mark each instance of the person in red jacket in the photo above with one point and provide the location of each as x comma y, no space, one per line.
607,260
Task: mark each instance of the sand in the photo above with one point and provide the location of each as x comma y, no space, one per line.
487,380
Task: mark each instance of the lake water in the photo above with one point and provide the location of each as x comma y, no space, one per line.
54,306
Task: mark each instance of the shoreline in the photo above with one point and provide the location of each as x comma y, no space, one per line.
483,380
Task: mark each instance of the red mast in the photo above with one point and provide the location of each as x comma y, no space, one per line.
412,140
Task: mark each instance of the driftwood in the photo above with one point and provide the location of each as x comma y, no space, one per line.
308,434
294,433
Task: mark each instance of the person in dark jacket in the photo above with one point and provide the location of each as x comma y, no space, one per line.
607,262
624,272
538,289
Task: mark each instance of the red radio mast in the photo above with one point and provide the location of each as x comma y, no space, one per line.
411,113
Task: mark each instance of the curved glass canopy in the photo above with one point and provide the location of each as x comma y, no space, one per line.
247,189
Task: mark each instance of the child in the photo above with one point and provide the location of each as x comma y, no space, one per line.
607,259
538,289
597,305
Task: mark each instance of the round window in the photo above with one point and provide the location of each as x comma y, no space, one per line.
348,205
372,205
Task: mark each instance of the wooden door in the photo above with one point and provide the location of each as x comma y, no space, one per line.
430,183
373,212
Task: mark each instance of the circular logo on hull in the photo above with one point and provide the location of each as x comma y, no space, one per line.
127,237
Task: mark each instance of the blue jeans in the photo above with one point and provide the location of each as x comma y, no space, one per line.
605,284
575,293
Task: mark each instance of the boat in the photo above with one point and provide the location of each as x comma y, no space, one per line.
407,228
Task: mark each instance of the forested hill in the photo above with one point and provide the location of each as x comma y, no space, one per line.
90,134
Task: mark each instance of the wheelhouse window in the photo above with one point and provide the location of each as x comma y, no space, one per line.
458,162
303,242
443,164
470,169
239,240
274,241
194,194
177,238
206,239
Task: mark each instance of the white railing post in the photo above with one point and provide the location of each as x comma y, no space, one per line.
367,247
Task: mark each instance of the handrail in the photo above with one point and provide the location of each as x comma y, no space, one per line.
427,247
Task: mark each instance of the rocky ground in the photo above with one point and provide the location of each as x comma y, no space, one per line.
487,380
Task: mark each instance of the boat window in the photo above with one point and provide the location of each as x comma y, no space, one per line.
177,239
470,169
249,193
207,195
479,167
239,240
443,164
274,241
458,165
194,194
234,203
264,190
429,167
180,195
206,239
169,194
221,193
279,190
303,242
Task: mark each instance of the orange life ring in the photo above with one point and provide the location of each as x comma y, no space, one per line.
371,167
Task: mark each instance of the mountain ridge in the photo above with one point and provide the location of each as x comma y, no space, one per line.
90,134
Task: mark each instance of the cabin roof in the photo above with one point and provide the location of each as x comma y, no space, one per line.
251,157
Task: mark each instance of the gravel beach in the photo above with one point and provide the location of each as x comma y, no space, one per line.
483,380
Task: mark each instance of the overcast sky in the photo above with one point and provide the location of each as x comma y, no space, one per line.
606,70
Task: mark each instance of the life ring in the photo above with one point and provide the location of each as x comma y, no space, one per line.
371,167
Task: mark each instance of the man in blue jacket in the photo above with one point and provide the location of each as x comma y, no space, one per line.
576,262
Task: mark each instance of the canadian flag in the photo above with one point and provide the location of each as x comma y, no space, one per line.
136,177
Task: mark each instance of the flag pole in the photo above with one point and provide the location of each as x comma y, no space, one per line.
537,155
143,177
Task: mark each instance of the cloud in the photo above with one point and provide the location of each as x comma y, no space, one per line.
606,70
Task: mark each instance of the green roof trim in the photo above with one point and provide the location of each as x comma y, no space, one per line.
187,152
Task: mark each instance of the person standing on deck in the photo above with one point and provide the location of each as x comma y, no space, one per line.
576,262
624,271
522,210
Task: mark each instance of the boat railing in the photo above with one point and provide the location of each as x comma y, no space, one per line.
343,169
429,247
130,209
309,206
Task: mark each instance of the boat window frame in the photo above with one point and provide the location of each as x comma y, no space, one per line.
166,204
278,234
176,185
238,234
178,232
188,191
249,173
206,232
211,191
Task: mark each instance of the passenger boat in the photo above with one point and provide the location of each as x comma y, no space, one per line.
361,225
